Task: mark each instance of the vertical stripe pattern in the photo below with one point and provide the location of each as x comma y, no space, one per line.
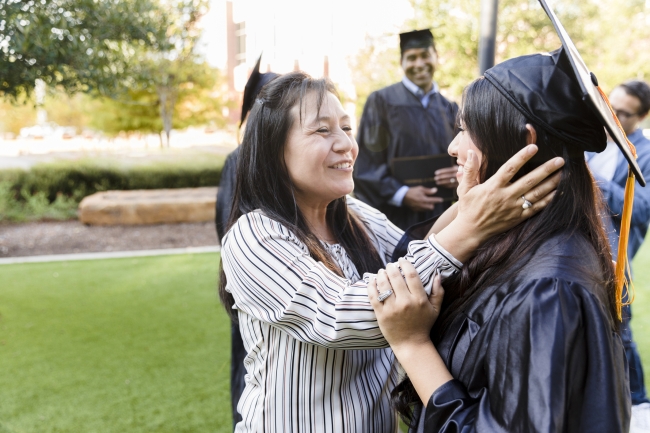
317,361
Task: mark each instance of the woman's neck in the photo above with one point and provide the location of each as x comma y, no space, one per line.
316,217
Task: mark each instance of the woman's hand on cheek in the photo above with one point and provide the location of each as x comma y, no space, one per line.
495,206
405,317
470,174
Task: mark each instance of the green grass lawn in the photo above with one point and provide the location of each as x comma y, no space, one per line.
134,345
122,345
641,307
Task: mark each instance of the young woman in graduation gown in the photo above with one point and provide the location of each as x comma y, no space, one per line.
527,336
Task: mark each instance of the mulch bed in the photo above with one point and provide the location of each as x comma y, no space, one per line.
69,237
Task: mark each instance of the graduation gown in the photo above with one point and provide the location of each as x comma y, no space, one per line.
226,192
225,197
534,354
395,124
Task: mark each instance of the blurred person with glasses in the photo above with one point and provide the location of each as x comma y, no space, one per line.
631,103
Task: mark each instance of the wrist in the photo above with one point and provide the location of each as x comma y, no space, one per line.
412,348
460,240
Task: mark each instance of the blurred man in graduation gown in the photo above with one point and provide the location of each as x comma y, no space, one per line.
224,204
407,119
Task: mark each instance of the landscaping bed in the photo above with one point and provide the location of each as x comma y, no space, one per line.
70,237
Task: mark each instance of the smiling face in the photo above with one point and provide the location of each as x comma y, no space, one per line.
458,149
419,64
320,151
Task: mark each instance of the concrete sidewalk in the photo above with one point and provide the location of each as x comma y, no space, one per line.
109,255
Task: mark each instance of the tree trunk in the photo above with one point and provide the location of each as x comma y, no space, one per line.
167,96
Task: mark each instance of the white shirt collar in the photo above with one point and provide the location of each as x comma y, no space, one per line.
416,90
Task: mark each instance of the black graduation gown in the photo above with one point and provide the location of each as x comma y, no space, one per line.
395,124
225,197
226,192
534,354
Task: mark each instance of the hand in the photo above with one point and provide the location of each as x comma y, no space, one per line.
405,317
446,177
421,199
495,206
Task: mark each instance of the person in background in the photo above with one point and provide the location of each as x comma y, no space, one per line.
631,103
223,207
407,119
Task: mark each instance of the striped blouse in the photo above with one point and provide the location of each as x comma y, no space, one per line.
317,361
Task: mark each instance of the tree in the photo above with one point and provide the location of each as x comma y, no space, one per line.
187,91
199,99
76,45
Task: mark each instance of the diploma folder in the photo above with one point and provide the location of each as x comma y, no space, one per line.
420,170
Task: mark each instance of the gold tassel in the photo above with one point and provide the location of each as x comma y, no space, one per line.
622,261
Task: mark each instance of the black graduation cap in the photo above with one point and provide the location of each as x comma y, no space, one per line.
415,39
558,92
253,86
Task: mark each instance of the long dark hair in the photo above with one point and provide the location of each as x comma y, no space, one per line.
499,130
263,180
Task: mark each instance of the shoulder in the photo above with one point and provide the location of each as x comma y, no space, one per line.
230,164
254,230
568,255
389,92
366,213
446,102
642,145
553,305
378,227
563,273
565,269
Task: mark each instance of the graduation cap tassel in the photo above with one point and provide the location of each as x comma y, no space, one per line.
622,261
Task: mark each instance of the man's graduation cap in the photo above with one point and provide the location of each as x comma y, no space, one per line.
253,86
415,39
557,92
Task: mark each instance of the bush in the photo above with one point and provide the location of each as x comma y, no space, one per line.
34,206
54,190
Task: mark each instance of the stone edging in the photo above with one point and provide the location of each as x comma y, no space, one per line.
108,255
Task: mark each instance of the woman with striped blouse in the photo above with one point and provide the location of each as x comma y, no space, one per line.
298,247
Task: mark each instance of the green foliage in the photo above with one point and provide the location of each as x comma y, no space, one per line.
86,45
185,90
199,99
137,58
136,111
31,207
53,191
124,345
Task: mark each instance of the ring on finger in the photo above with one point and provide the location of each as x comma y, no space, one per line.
526,203
383,296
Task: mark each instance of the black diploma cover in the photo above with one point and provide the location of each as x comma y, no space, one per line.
420,170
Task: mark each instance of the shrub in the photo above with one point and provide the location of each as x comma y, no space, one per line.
54,190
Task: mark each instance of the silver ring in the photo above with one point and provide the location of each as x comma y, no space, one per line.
383,296
526,204
452,180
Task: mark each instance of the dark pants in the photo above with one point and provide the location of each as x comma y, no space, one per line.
637,386
237,370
